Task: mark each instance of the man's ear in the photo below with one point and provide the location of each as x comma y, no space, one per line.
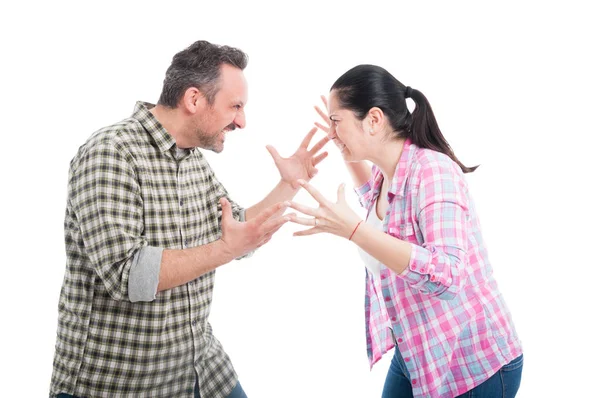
193,100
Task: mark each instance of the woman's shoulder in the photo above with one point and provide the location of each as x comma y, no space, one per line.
428,162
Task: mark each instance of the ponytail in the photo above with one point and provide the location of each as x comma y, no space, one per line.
424,130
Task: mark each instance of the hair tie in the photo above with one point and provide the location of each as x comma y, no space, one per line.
408,92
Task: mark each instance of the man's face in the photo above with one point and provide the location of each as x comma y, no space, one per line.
226,113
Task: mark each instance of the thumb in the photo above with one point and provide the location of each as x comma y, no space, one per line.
341,193
273,153
226,210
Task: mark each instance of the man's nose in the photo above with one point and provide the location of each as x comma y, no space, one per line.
240,120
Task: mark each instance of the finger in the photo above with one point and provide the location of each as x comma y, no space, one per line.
341,193
319,158
309,211
324,99
308,138
264,241
307,232
302,220
322,114
319,145
274,153
226,212
270,226
324,128
264,215
314,192
273,231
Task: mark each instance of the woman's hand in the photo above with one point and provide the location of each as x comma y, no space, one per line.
335,218
323,115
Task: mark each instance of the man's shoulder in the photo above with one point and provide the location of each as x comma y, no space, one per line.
119,137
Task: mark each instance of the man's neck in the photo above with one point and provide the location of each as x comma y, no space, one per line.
171,121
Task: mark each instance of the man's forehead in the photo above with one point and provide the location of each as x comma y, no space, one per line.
234,85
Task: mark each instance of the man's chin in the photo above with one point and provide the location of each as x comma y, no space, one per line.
217,147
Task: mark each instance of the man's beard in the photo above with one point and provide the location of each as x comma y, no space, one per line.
213,142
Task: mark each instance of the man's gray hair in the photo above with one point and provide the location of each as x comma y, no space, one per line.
199,66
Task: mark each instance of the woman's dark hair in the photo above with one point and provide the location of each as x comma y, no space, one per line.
366,86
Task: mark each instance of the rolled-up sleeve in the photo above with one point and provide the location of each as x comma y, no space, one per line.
437,267
144,274
105,198
364,192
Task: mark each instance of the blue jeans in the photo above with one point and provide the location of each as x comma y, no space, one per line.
238,392
503,384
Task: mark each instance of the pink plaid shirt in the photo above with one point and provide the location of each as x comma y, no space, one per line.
450,322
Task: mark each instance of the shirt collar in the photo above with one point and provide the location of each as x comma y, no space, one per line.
159,134
400,174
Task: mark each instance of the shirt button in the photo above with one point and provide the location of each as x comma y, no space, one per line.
180,202
414,381
193,323
185,243
400,340
393,319
406,359
387,299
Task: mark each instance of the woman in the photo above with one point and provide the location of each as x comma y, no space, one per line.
430,291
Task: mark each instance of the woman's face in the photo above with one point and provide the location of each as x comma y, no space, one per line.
347,132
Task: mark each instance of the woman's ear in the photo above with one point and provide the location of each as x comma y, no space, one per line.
376,120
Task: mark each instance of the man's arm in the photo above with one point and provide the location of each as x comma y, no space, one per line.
281,193
178,267
301,165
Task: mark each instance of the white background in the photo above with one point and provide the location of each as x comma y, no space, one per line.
514,87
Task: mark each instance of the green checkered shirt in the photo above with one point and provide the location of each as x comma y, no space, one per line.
129,192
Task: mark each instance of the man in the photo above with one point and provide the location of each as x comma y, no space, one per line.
147,223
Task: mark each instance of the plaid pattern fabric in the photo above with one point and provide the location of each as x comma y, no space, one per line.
448,317
126,191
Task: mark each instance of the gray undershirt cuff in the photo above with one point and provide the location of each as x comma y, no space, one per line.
144,274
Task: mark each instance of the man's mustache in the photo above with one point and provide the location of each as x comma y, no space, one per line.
231,127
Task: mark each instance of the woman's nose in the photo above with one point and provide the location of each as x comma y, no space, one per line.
332,133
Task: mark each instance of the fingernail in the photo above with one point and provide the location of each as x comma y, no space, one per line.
301,182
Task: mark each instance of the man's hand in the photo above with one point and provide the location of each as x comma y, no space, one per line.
240,238
301,165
